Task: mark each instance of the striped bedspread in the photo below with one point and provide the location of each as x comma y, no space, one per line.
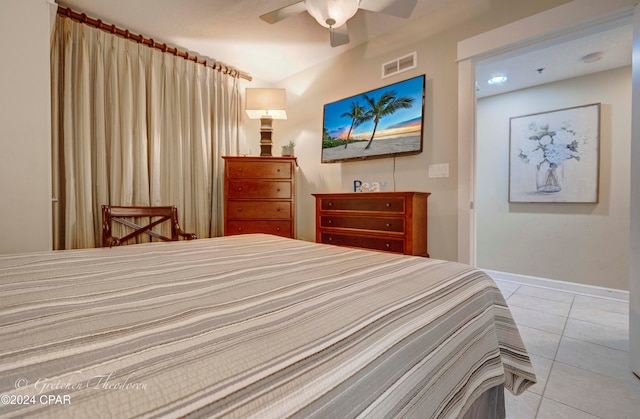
250,326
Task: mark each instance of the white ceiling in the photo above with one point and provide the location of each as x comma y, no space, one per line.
559,59
231,32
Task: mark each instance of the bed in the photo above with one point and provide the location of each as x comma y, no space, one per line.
252,326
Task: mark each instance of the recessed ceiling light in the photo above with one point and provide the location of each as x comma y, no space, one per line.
593,57
497,79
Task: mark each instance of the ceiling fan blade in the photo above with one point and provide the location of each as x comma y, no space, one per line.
284,12
339,36
399,8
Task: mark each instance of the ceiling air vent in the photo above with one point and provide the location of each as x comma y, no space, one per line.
400,65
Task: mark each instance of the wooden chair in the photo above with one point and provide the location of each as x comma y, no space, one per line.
127,215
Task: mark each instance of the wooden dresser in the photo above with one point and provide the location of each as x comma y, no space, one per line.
388,221
259,195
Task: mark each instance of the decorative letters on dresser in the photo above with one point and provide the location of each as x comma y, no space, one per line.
259,195
388,221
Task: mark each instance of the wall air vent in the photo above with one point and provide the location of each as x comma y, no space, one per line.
400,65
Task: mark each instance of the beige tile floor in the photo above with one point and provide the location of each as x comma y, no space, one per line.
579,347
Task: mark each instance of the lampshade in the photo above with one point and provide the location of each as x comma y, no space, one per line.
332,13
266,103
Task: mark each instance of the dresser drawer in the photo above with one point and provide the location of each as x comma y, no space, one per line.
387,221
389,204
395,225
278,228
258,170
259,195
260,210
376,243
240,189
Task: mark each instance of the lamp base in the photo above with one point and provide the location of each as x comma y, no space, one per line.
265,150
266,130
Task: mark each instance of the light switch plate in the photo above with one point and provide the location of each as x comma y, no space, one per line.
439,170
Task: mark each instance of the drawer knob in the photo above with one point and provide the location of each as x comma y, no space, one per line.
330,221
388,204
278,190
239,228
239,169
239,189
330,238
388,224
330,204
388,245
239,209
278,209
277,228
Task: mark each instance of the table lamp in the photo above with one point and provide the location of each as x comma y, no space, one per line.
266,104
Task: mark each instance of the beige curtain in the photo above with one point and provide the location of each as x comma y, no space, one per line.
135,126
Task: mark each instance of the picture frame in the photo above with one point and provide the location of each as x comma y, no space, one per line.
554,156
383,122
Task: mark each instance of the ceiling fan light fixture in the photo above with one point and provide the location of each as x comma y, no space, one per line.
332,13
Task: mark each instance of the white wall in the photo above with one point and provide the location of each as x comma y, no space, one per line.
359,70
634,268
582,243
308,92
25,217
25,133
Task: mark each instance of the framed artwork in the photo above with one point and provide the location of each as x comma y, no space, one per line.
554,156
385,122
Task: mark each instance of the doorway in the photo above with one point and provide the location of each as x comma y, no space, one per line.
548,27
556,234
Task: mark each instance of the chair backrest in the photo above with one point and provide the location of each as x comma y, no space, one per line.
132,216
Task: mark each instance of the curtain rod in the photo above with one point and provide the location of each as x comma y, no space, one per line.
97,23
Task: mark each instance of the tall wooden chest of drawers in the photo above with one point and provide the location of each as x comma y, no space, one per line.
259,195
387,221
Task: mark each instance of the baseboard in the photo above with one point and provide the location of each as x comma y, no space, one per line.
589,290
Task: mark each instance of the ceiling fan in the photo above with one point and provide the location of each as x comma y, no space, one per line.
334,14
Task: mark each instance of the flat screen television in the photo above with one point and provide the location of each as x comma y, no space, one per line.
385,122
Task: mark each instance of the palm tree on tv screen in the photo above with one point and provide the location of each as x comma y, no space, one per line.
357,113
387,104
